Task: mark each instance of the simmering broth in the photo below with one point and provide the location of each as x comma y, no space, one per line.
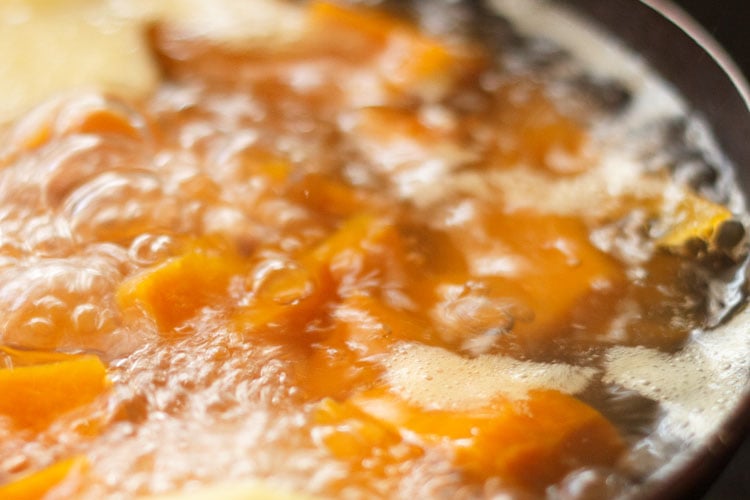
418,249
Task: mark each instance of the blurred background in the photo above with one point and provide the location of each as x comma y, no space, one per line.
728,21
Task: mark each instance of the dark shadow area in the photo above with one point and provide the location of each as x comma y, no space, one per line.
734,481
727,21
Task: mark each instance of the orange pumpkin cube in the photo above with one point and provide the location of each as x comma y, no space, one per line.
35,396
178,289
38,484
530,443
545,265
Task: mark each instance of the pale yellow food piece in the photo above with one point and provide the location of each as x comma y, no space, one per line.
49,47
691,216
230,22
433,377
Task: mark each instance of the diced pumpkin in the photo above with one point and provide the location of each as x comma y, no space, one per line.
349,237
354,433
371,326
424,59
15,358
329,196
545,265
363,243
373,25
277,171
38,484
536,133
566,268
369,445
425,67
540,440
107,121
364,329
316,274
34,396
287,299
258,162
410,61
388,124
692,217
178,289
337,370
530,443
366,253
431,425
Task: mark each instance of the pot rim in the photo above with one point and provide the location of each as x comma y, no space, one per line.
685,22
692,476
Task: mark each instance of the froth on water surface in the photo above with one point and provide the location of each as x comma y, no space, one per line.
469,252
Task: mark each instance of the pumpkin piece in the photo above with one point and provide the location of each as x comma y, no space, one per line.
35,396
431,425
293,295
564,271
38,484
425,59
288,298
538,441
364,328
388,125
276,171
327,195
107,121
363,244
350,236
179,288
530,443
369,445
332,369
343,264
425,67
410,62
353,433
15,358
536,133
544,265
371,326
364,23
692,217
258,163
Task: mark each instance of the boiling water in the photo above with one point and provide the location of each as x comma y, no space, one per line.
86,210
686,395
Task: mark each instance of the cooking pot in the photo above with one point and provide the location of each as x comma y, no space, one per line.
709,81
681,51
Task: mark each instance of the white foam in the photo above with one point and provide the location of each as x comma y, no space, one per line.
598,192
432,377
598,52
698,386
